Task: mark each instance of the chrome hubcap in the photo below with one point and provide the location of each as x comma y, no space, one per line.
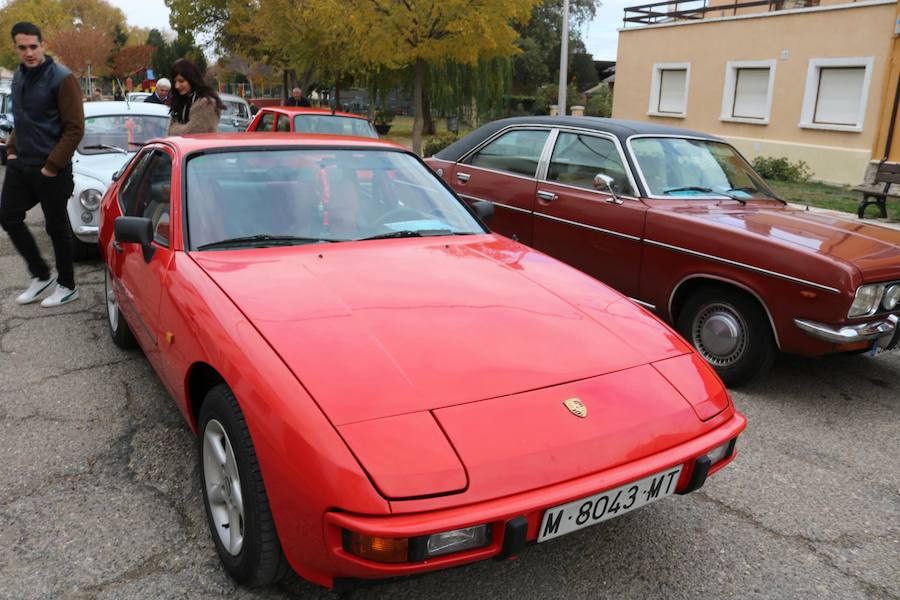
112,309
720,334
223,487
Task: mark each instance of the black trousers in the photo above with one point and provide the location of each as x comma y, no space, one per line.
23,189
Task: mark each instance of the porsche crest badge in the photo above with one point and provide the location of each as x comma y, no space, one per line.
576,407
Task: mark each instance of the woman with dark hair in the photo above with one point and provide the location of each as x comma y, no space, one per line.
196,107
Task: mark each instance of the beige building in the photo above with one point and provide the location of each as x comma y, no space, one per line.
805,79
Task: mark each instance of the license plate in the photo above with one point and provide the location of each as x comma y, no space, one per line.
579,514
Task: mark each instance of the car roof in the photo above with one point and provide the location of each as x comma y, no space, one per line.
620,128
307,110
97,109
232,98
236,141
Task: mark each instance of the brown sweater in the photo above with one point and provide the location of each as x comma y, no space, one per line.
71,113
204,118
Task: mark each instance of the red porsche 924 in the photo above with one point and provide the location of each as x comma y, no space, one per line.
380,385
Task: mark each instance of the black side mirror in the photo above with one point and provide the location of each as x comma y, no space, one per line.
484,210
135,230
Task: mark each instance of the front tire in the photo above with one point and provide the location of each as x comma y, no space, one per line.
237,508
730,331
118,329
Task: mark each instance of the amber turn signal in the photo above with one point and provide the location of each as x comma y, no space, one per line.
386,550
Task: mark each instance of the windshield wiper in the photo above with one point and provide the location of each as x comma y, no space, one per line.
406,233
705,190
765,193
261,238
106,147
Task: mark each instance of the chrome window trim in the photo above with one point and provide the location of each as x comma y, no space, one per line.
640,171
599,193
486,170
729,281
544,162
507,206
595,133
449,162
742,265
591,227
497,135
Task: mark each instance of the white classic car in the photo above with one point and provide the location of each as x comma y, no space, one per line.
113,132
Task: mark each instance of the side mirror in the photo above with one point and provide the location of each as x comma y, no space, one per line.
484,210
604,183
135,230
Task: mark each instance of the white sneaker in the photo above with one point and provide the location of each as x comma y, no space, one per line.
34,291
61,295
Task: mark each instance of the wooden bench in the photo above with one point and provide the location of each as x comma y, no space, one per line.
886,173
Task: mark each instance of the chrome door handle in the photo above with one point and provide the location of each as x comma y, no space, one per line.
463,177
546,196
117,246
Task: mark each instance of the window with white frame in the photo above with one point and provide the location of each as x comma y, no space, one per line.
669,89
837,92
747,96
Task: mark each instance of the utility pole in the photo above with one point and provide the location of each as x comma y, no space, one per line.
564,59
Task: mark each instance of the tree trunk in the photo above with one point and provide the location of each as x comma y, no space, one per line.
337,92
428,126
284,86
418,106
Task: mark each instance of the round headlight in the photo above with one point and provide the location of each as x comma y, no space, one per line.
891,297
90,199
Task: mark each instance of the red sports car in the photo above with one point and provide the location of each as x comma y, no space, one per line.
303,119
379,384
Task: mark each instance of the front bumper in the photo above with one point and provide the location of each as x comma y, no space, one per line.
883,331
517,516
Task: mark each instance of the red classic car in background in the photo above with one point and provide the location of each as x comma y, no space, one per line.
681,223
380,385
300,119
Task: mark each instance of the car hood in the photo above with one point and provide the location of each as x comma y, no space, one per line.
391,327
873,249
99,166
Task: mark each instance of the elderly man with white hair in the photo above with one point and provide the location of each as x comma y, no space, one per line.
161,94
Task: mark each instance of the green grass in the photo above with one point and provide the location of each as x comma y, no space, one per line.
402,126
833,197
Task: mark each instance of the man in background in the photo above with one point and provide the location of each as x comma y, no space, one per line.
297,98
161,94
49,125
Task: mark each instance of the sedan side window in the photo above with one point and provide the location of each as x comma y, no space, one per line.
578,158
152,196
284,123
267,122
516,152
128,194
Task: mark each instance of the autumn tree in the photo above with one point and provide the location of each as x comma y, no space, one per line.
131,59
399,33
79,48
54,18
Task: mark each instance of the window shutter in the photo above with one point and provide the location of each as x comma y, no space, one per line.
840,94
751,92
671,90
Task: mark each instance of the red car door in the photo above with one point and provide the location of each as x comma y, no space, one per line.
503,171
590,229
141,276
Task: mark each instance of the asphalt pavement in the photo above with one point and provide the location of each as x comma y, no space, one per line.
100,496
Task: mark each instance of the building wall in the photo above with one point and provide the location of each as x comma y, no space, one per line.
791,39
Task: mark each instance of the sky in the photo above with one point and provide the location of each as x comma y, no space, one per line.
599,35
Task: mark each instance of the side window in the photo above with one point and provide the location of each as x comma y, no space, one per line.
152,196
129,191
515,152
578,158
267,122
284,123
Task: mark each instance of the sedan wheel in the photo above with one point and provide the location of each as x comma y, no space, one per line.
118,328
237,508
730,331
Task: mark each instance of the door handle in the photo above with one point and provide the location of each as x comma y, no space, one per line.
546,196
117,246
463,177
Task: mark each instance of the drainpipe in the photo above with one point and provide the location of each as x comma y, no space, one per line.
893,123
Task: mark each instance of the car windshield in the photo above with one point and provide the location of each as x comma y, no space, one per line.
333,125
235,109
689,168
114,133
242,198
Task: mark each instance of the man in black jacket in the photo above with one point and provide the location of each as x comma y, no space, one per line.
49,125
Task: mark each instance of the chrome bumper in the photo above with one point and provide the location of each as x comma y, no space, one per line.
86,230
848,334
